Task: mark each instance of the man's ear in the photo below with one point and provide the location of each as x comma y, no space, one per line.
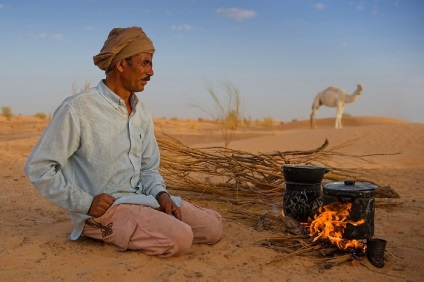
121,64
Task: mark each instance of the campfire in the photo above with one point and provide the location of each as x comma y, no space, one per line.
322,236
330,223
325,233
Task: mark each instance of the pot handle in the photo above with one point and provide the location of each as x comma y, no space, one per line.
326,171
342,196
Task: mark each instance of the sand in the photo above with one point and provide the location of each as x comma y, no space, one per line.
34,243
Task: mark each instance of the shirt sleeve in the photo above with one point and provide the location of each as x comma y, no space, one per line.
44,166
151,181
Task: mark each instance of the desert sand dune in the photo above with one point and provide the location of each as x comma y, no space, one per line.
34,244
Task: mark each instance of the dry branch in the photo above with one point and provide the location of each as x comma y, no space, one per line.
297,252
235,175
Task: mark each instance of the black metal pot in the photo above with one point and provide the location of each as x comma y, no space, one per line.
361,195
302,200
303,173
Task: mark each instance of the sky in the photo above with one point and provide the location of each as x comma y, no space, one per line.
277,53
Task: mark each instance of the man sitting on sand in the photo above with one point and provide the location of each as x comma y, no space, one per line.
98,158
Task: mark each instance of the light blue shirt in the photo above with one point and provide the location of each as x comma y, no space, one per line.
92,146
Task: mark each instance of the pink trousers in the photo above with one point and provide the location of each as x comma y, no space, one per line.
137,227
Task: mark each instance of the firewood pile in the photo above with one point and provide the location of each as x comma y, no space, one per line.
240,177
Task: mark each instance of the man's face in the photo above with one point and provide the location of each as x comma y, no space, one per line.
137,72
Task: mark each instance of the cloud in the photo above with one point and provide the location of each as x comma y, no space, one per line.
360,6
2,6
58,36
375,12
89,28
45,35
36,36
319,6
183,27
236,13
344,44
363,6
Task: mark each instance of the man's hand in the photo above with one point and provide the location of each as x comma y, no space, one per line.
100,204
168,206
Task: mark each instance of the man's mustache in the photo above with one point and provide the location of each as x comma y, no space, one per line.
147,78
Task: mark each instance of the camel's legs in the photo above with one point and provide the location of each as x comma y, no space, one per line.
315,106
339,116
312,119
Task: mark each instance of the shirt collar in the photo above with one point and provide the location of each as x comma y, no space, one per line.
114,99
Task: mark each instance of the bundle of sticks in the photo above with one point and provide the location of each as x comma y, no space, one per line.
239,175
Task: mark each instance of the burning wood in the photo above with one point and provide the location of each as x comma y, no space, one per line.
330,223
325,238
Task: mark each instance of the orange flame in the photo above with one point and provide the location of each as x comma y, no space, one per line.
330,224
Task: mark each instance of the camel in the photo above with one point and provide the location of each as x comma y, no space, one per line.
334,97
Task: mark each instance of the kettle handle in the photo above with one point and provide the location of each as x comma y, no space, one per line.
341,196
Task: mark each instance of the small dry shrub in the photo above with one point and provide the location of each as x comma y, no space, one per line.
247,122
268,121
6,111
41,115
